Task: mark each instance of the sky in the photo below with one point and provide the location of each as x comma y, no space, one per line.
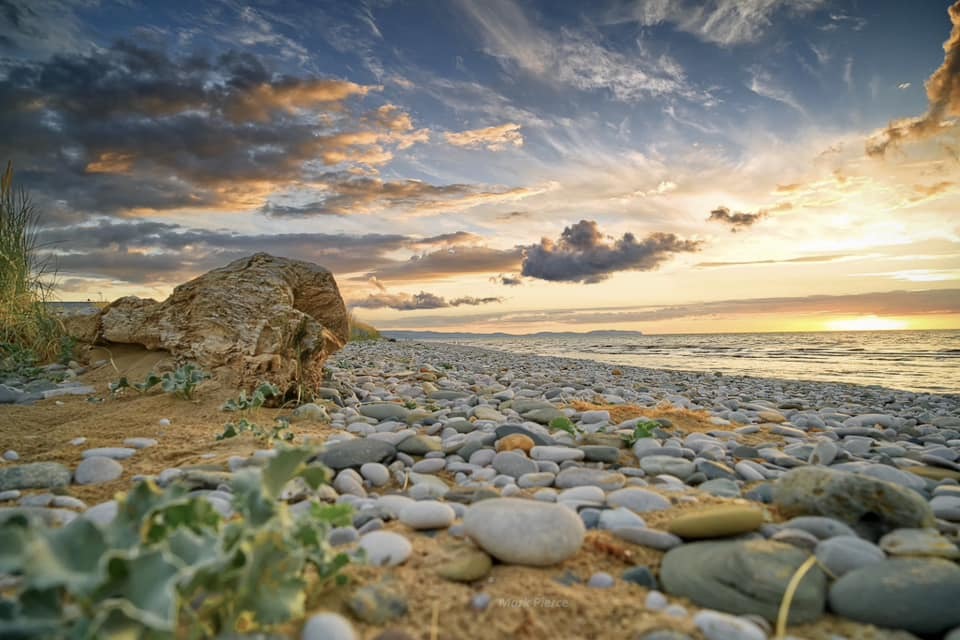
668,166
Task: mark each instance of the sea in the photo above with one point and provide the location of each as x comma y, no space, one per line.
921,361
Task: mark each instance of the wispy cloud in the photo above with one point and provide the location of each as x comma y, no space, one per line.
416,301
764,85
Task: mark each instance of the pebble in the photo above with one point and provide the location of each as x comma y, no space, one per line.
653,538
716,522
516,442
375,473
580,476
10,455
140,443
529,532
385,548
97,470
378,603
716,625
638,500
356,453
601,580
34,475
919,595
427,514
328,626
115,453
465,564
842,554
919,542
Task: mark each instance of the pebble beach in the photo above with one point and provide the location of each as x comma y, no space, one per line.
485,461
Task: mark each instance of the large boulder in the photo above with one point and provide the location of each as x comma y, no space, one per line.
262,318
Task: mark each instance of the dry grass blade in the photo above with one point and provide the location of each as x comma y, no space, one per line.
784,611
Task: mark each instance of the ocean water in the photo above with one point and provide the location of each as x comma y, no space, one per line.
924,361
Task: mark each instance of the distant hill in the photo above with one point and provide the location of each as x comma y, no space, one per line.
445,335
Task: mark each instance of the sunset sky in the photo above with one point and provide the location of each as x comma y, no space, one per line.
497,165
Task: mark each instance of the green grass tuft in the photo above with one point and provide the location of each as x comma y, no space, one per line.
360,331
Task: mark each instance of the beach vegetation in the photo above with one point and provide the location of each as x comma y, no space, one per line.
279,432
256,400
181,382
361,331
563,423
169,565
29,331
643,429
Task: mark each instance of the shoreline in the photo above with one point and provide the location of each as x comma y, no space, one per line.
693,373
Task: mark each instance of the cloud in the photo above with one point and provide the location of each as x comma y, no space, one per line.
763,84
422,300
738,220
722,22
345,193
581,254
130,127
496,138
903,85
943,94
507,280
881,303
449,262
571,58
824,258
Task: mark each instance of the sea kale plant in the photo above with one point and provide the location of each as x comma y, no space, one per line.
245,405
182,382
643,429
170,566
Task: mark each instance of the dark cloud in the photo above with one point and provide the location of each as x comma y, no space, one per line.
130,127
448,262
943,93
738,220
583,255
507,280
422,300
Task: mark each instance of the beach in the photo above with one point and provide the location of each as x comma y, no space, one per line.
500,494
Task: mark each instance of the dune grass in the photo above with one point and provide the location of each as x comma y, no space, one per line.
360,331
28,329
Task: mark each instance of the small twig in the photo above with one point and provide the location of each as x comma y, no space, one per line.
434,621
784,611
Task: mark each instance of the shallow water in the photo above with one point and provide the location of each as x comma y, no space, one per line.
924,361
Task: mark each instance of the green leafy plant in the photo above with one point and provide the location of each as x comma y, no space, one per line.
562,423
170,566
644,429
68,347
184,381
256,399
18,360
279,432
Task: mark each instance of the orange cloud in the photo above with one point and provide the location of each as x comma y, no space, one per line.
260,102
111,162
491,138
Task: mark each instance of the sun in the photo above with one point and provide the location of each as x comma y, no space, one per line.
866,323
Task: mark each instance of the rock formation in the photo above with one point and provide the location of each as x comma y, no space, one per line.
262,318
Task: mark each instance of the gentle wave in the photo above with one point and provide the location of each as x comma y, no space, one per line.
922,361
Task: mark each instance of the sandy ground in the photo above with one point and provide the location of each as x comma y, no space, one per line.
42,432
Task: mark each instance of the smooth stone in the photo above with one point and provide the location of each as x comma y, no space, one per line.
543,416
655,600
797,537
601,580
328,626
429,465
556,454
527,532
68,502
919,542
427,514
743,577
933,473
11,494
377,604
35,475
116,453
824,452
619,518
641,576
874,505
515,442
842,554
340,536
659,464
419,445
384,411
10,455
465,565
716,522
581,476
375,473
919,595
356,453
600,453
97,470
715,625
513,464
140,443
653,538
508,429
638,500
721,487
102,514
946,507
385,548
539,479
38,500
820,527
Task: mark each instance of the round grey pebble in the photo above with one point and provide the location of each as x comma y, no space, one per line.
842,554
328,626
480,601
11,456
97,470
601,580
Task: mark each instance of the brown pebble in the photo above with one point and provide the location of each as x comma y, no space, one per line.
515,441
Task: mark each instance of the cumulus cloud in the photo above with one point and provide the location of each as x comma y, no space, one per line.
130,127
446,262
496,138
422,300
943,94
737,221
583,254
